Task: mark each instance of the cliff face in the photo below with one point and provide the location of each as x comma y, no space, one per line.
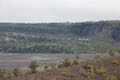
88,29
116,34
91,29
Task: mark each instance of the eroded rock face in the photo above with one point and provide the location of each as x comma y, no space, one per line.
91,29
116,34
87,29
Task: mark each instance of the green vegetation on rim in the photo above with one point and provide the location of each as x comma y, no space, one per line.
88,37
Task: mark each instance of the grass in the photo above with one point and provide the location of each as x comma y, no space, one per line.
101,71
68,74
112,78
116,62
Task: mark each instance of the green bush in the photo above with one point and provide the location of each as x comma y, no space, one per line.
46,68
66,63
16,72
112,53
75,62
89,68
5,75
9,75
33,66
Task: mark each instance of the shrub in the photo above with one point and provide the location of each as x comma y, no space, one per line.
89,68
117,62
60,65
9,75
17,72
66,63
101,71
112,78
52,65
112,53
75,62
46,68
33,66
4,74
98,56
77,57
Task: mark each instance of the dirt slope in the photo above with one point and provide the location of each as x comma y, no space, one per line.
98,69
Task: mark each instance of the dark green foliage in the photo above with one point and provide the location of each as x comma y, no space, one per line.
17,72
89,68
112,52
77,57
116,33
2,74
66,63
46,68
5,74
33,66
75,62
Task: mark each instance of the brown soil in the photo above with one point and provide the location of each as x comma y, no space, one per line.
79,72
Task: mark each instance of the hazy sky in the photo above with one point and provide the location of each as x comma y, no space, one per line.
58,10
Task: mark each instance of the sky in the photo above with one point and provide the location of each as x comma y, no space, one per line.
38,11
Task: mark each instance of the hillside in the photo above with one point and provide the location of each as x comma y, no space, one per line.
87,37
96,69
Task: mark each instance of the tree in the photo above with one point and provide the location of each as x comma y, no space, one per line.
33,66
